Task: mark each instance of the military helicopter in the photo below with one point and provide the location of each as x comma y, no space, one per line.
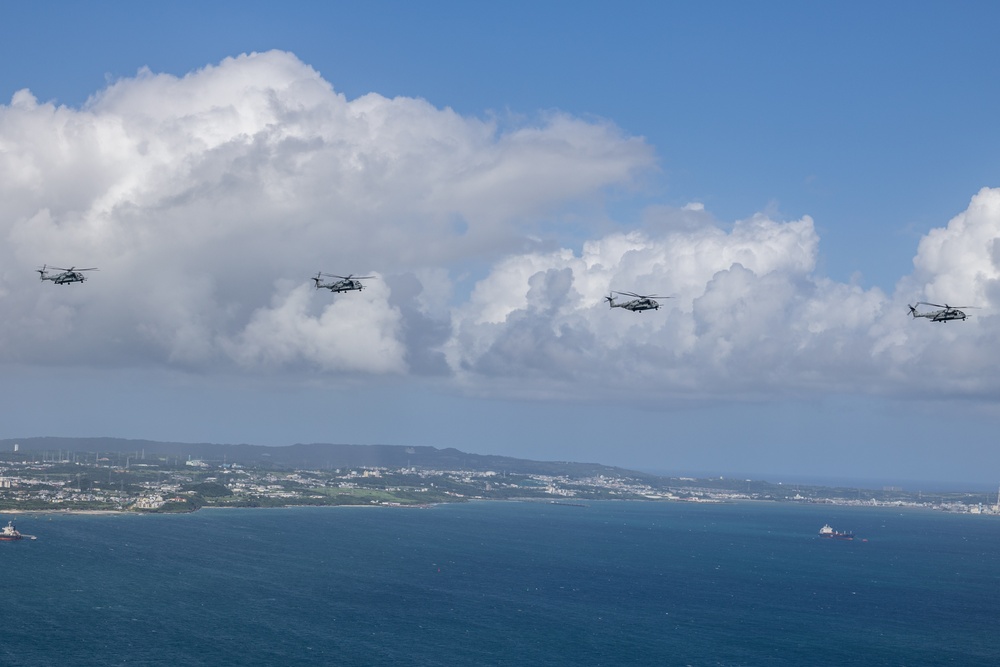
342,284
65,276
946,313
639,302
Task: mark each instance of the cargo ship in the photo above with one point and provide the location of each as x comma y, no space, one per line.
9,533
827,531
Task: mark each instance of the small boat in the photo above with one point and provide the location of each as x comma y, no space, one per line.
827,531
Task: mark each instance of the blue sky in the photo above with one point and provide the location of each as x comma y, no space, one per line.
793,174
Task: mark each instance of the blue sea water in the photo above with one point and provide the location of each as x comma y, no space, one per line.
494,583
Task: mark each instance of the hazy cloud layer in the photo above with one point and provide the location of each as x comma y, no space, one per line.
209,200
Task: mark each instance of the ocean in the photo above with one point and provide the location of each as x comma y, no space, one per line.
505,583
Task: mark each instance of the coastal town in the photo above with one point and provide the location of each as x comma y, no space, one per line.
86,481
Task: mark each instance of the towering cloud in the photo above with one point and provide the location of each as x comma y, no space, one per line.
208,200
204,199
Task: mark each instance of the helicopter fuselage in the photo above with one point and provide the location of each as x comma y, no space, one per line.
341,285
348,283
944,314
64,277
637,305
638,302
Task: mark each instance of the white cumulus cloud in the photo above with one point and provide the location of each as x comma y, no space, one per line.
202,198
749,318
208,200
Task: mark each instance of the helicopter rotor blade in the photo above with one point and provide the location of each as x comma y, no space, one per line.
946,306
644,296
350,276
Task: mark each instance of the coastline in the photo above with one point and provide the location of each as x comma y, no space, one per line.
95,512
206,507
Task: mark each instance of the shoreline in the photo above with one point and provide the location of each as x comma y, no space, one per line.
206,507
580,503
9,511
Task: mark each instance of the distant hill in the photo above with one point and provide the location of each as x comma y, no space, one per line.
315,456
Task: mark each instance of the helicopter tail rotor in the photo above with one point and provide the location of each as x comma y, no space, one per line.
611,300
913,310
